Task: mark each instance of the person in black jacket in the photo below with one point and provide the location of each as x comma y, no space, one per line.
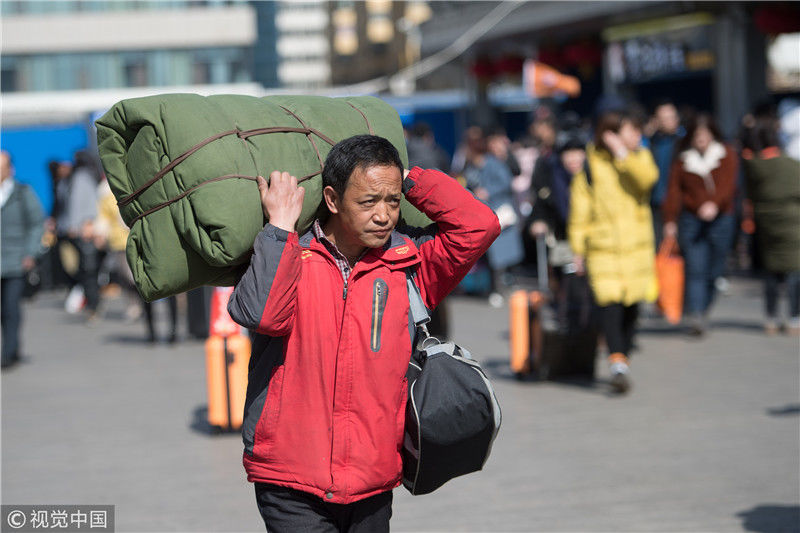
550,193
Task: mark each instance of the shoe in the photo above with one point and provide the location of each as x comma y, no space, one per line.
722,285
620,380
92,318
496,300
10,362
132,313
75,300
697,325
771,328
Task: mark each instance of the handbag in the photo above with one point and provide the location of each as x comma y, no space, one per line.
669,270
452,414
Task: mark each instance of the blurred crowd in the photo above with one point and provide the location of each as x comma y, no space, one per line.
593,197
604,195
78,248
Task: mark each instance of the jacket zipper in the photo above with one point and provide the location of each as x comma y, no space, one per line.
379,298
336,372
377,304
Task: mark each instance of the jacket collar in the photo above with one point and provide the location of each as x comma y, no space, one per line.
703,164
398,252
771,152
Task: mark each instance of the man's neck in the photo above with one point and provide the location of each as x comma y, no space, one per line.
332,230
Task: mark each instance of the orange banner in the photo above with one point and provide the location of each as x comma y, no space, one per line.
542,81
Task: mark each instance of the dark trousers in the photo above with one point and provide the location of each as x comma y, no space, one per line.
705,247
172,305
11,316
619,323
658,225
772,281
87,272
287,510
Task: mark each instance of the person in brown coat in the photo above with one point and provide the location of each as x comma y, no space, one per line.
699,209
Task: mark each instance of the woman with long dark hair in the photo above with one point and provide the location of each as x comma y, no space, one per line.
699,209
610,227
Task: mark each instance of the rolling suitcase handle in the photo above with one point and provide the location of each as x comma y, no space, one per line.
541,265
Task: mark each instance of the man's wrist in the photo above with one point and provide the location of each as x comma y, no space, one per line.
410,178
283,224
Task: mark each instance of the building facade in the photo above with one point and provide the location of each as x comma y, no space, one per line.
707,55
63,46
301,43
373,38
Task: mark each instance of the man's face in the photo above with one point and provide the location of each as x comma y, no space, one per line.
370,206
667,117
5,166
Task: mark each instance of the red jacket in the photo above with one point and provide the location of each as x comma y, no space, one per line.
326,394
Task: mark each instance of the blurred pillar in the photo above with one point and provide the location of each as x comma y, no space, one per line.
757,90
610,53
731,74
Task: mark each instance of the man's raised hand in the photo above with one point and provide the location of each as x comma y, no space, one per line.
281,199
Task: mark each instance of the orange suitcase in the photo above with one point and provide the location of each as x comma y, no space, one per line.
227,360
525,328
553,339
525,331
519,332
226,366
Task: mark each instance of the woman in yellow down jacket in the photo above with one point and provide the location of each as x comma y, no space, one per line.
611,231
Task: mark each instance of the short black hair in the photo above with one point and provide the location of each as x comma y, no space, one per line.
421,129
360,151
570,140
664,100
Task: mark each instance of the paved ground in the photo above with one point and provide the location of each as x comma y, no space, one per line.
708,440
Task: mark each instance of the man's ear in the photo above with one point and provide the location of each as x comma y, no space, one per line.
331,198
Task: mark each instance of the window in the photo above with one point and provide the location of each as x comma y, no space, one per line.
201,73
8,79
82,75
135,73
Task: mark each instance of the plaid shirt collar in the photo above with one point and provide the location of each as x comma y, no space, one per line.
338,257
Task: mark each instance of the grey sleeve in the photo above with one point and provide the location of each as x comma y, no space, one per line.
264,299
34,223
82,200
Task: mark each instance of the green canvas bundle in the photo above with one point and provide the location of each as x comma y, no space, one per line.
182,168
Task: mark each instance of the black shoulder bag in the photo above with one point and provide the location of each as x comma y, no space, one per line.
452,415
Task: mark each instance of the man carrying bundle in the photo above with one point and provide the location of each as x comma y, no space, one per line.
325,409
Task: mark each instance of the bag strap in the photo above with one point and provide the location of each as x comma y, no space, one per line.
587,171
419,313
668,247
541,265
